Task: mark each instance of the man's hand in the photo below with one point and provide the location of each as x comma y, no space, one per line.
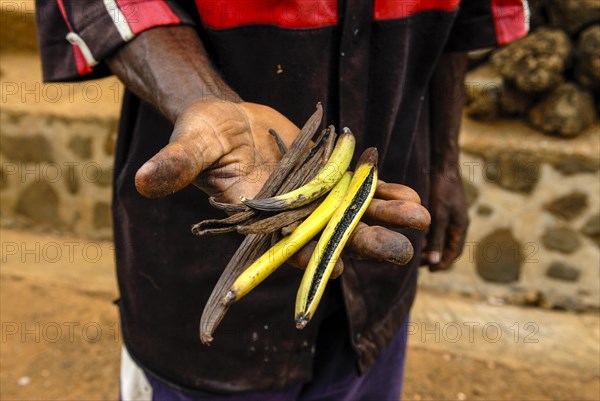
446,236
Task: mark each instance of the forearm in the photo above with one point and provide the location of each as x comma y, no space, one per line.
168,67
447,97
447,202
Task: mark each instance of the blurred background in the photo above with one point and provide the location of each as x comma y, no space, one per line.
516,318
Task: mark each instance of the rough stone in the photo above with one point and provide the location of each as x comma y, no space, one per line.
587,67
39,202
513,171
567,111
592,228
483,88
471,192
72,180
573,15
27,149
535,63
576,165
484,210
488,96
562,271
561,239
499,257
514,102
102,215
568,206
81,146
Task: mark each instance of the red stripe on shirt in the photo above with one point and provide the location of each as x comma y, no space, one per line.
82,66
63,11
223,14
509,20
393,9
145,14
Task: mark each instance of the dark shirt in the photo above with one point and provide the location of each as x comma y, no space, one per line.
369,63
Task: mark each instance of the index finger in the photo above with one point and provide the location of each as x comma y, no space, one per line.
391,191
398,213
379,243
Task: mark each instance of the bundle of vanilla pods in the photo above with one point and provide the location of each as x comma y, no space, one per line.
292,203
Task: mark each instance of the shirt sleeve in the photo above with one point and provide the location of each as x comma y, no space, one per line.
488,23
76,36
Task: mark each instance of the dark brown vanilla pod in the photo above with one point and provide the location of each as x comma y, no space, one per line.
280,144
251,248
228,207
229,223
278,221
329,145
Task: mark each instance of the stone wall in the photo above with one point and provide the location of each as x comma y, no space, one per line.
56,140
56,172
534,204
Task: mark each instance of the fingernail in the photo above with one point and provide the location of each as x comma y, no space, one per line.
435,257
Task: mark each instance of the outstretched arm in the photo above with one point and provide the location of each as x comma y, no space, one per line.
447,202
218,140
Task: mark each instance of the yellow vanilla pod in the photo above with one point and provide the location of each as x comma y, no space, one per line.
284,249
335,235
326,178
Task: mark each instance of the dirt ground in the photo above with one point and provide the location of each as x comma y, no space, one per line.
61,342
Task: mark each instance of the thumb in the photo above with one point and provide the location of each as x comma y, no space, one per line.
170,170
195,145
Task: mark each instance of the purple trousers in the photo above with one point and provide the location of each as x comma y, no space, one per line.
335,374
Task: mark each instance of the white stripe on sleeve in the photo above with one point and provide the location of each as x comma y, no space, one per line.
119,19
75,39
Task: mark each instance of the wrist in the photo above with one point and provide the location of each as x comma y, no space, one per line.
169,68
446,170
444,163
208,96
